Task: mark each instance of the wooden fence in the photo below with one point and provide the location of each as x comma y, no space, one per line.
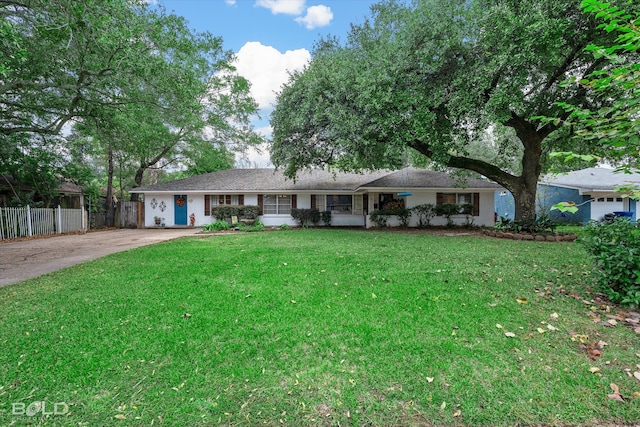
27,221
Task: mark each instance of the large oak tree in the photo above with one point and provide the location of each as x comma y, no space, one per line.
433,76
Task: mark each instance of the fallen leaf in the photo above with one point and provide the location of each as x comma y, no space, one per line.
540,330
186,315
121,417
551,327
521,300
637,375
612,322
615,396
615,388
594,369
430,379
457,413
498,325
510,334
293,301
373,295
444,405
594,353
554,316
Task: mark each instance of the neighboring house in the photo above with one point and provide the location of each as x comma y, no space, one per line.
350,197
592,190
68,195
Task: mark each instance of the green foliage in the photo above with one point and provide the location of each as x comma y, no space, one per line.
425,214
614,249
142,88
257,226
611,119
434,77
380,217
217,226
242,212
326,217
447,210
284,227
306,216
540,225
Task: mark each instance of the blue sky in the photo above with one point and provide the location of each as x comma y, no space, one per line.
270,38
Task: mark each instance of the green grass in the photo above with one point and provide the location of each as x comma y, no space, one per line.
317,327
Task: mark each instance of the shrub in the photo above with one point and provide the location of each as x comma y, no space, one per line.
615,250
447,210
258,226
285,227
306,216
241,211
538,225
380,217
326,217
425,213
217,226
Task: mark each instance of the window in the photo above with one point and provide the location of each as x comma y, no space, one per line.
460,199
339,203
277,204
456,199
222,200
225,199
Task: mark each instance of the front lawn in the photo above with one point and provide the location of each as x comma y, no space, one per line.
319,327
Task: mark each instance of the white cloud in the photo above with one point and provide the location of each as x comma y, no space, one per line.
317,16
230,2
267,69
288,7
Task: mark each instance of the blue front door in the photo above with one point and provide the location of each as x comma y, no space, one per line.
180,207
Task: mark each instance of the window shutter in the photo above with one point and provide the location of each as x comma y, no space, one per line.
260,204
476,204
365,203
294,201
439,199
241,199
313,201
207,205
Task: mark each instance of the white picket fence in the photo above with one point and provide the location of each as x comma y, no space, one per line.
27,221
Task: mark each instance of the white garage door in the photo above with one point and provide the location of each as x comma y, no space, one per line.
605,205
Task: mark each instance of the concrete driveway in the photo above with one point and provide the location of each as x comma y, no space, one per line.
22,260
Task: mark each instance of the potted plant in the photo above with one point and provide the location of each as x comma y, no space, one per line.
157,219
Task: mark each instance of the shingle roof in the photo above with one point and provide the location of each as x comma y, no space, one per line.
591,179
421,178
253,180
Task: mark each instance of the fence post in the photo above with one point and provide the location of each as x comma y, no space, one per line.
29,227
59,220
82,225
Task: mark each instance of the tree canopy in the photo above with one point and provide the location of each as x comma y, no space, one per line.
134,82
434,76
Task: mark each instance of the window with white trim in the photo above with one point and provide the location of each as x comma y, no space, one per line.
340,203
277,204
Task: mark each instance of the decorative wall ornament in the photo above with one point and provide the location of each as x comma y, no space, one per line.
180,201
154,203
162,206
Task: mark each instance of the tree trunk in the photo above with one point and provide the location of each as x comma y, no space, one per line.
110,209
523,188
138,180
